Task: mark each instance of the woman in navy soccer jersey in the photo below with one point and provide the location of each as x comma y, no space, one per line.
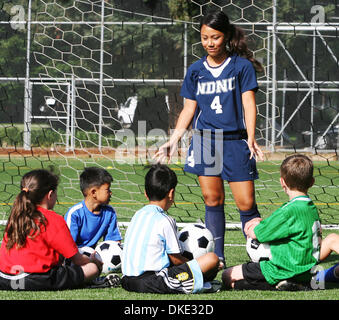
219,92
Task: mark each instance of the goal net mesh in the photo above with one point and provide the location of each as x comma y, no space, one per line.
97,83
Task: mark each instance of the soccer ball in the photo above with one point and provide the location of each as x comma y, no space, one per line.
258,251
87,251
195,240
110,253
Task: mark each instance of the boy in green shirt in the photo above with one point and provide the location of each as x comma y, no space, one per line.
293,232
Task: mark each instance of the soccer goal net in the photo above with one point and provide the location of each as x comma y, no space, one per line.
97,83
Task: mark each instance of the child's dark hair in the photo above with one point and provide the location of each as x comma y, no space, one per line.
297,171
25,220
159,180
93,177
218,20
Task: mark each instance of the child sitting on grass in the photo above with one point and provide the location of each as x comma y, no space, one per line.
152,260
293,232
93,218
36,239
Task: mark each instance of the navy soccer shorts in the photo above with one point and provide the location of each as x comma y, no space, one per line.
221,154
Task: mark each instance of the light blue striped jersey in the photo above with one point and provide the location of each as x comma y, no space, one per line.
150,237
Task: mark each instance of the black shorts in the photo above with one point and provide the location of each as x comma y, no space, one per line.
253,278
175,279
252,273
58,278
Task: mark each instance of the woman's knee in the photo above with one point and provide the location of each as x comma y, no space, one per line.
214,199
245,204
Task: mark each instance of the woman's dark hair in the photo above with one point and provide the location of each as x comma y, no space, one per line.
25,220
236,42
159,180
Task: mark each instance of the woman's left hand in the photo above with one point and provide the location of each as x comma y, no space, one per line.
255,150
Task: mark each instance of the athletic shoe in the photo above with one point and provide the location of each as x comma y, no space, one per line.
211,286
287,285
112,280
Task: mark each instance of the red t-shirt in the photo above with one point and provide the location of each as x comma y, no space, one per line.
41,253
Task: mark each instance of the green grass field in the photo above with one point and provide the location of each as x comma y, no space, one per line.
234,255
128,197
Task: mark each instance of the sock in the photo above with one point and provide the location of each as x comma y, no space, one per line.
247,216
327,275
215,222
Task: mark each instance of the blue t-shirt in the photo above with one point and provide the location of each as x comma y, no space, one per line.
88,228
218,92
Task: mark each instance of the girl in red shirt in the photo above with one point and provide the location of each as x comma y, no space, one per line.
37,239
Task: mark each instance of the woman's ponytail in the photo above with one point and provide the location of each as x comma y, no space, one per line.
237,44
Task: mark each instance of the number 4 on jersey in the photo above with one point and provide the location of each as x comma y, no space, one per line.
216,105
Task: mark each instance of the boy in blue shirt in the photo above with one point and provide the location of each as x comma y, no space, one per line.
93,218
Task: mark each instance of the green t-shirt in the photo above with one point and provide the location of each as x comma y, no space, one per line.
293,232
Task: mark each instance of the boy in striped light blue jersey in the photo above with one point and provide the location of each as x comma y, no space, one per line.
152,260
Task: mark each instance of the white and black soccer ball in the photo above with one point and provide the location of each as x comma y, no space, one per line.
195,240
111,254
87,251
258,251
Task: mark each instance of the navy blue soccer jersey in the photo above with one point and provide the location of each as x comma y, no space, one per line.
218,91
